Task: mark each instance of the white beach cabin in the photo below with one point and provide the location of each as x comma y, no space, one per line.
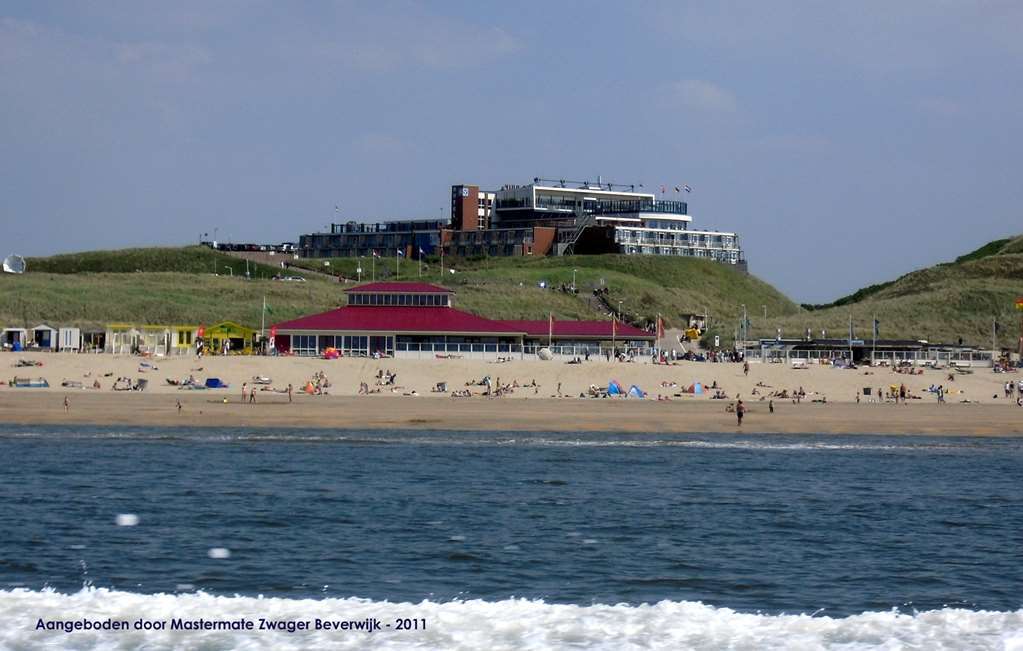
45,337
10,337
70,340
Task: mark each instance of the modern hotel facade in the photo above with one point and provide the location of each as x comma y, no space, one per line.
540,218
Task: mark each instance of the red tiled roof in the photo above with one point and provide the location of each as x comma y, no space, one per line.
579,329
401,288
361,318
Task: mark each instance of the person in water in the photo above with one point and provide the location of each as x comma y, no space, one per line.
740,411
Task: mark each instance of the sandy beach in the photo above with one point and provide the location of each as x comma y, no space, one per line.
525,408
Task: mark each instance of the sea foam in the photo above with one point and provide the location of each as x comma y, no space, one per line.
507,624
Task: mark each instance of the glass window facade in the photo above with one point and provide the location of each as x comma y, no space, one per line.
400,300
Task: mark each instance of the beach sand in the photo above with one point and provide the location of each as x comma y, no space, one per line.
525,409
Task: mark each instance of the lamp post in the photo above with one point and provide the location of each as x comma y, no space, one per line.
744,330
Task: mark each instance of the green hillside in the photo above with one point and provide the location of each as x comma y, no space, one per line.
939,303
187,259
646,285
165,285
177,285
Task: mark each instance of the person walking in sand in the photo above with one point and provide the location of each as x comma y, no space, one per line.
245,388
740,411
252,395
770,406
289,393
179,406
745,368
67,404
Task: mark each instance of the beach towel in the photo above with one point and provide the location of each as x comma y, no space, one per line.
698,389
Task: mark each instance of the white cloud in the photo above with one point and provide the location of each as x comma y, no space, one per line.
699,95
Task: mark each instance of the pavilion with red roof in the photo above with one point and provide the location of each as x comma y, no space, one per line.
394,318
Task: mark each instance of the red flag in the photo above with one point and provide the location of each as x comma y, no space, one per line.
614,326
273,331
201,332
660,327
550,326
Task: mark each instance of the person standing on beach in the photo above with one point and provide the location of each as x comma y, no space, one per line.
770,406
745,368
740,411
67,404
289,393
179,406
252,395
245,387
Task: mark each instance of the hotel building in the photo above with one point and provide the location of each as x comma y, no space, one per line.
541,218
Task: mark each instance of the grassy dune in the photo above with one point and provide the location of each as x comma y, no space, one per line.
939,303
165,285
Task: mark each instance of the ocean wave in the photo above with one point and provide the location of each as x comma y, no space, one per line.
766,442
208,621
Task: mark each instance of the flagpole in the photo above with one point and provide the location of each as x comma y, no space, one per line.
374,256
420,262
397,271
262,318
550,329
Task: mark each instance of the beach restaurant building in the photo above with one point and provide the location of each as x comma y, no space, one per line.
410,319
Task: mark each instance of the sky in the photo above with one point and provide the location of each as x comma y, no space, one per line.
847,143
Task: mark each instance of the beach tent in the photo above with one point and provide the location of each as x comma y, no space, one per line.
636,392
215,383
44,336
698,389
614,389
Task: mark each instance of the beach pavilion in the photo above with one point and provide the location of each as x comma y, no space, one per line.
411,319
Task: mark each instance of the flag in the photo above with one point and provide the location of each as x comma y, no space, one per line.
267,307
550,326
614,326
677,189
1019,303
877,328
375,254
660,327
400,252
687,188
663,189
421,251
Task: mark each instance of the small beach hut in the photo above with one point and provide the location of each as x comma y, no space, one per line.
69,340
44,337
242,338
13,338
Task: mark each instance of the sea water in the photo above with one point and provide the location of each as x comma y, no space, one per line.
507,540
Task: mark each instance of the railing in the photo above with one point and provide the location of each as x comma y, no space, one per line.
513,351
876,358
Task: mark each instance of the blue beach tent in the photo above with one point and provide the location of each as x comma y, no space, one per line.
614,389
215,383
636,392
